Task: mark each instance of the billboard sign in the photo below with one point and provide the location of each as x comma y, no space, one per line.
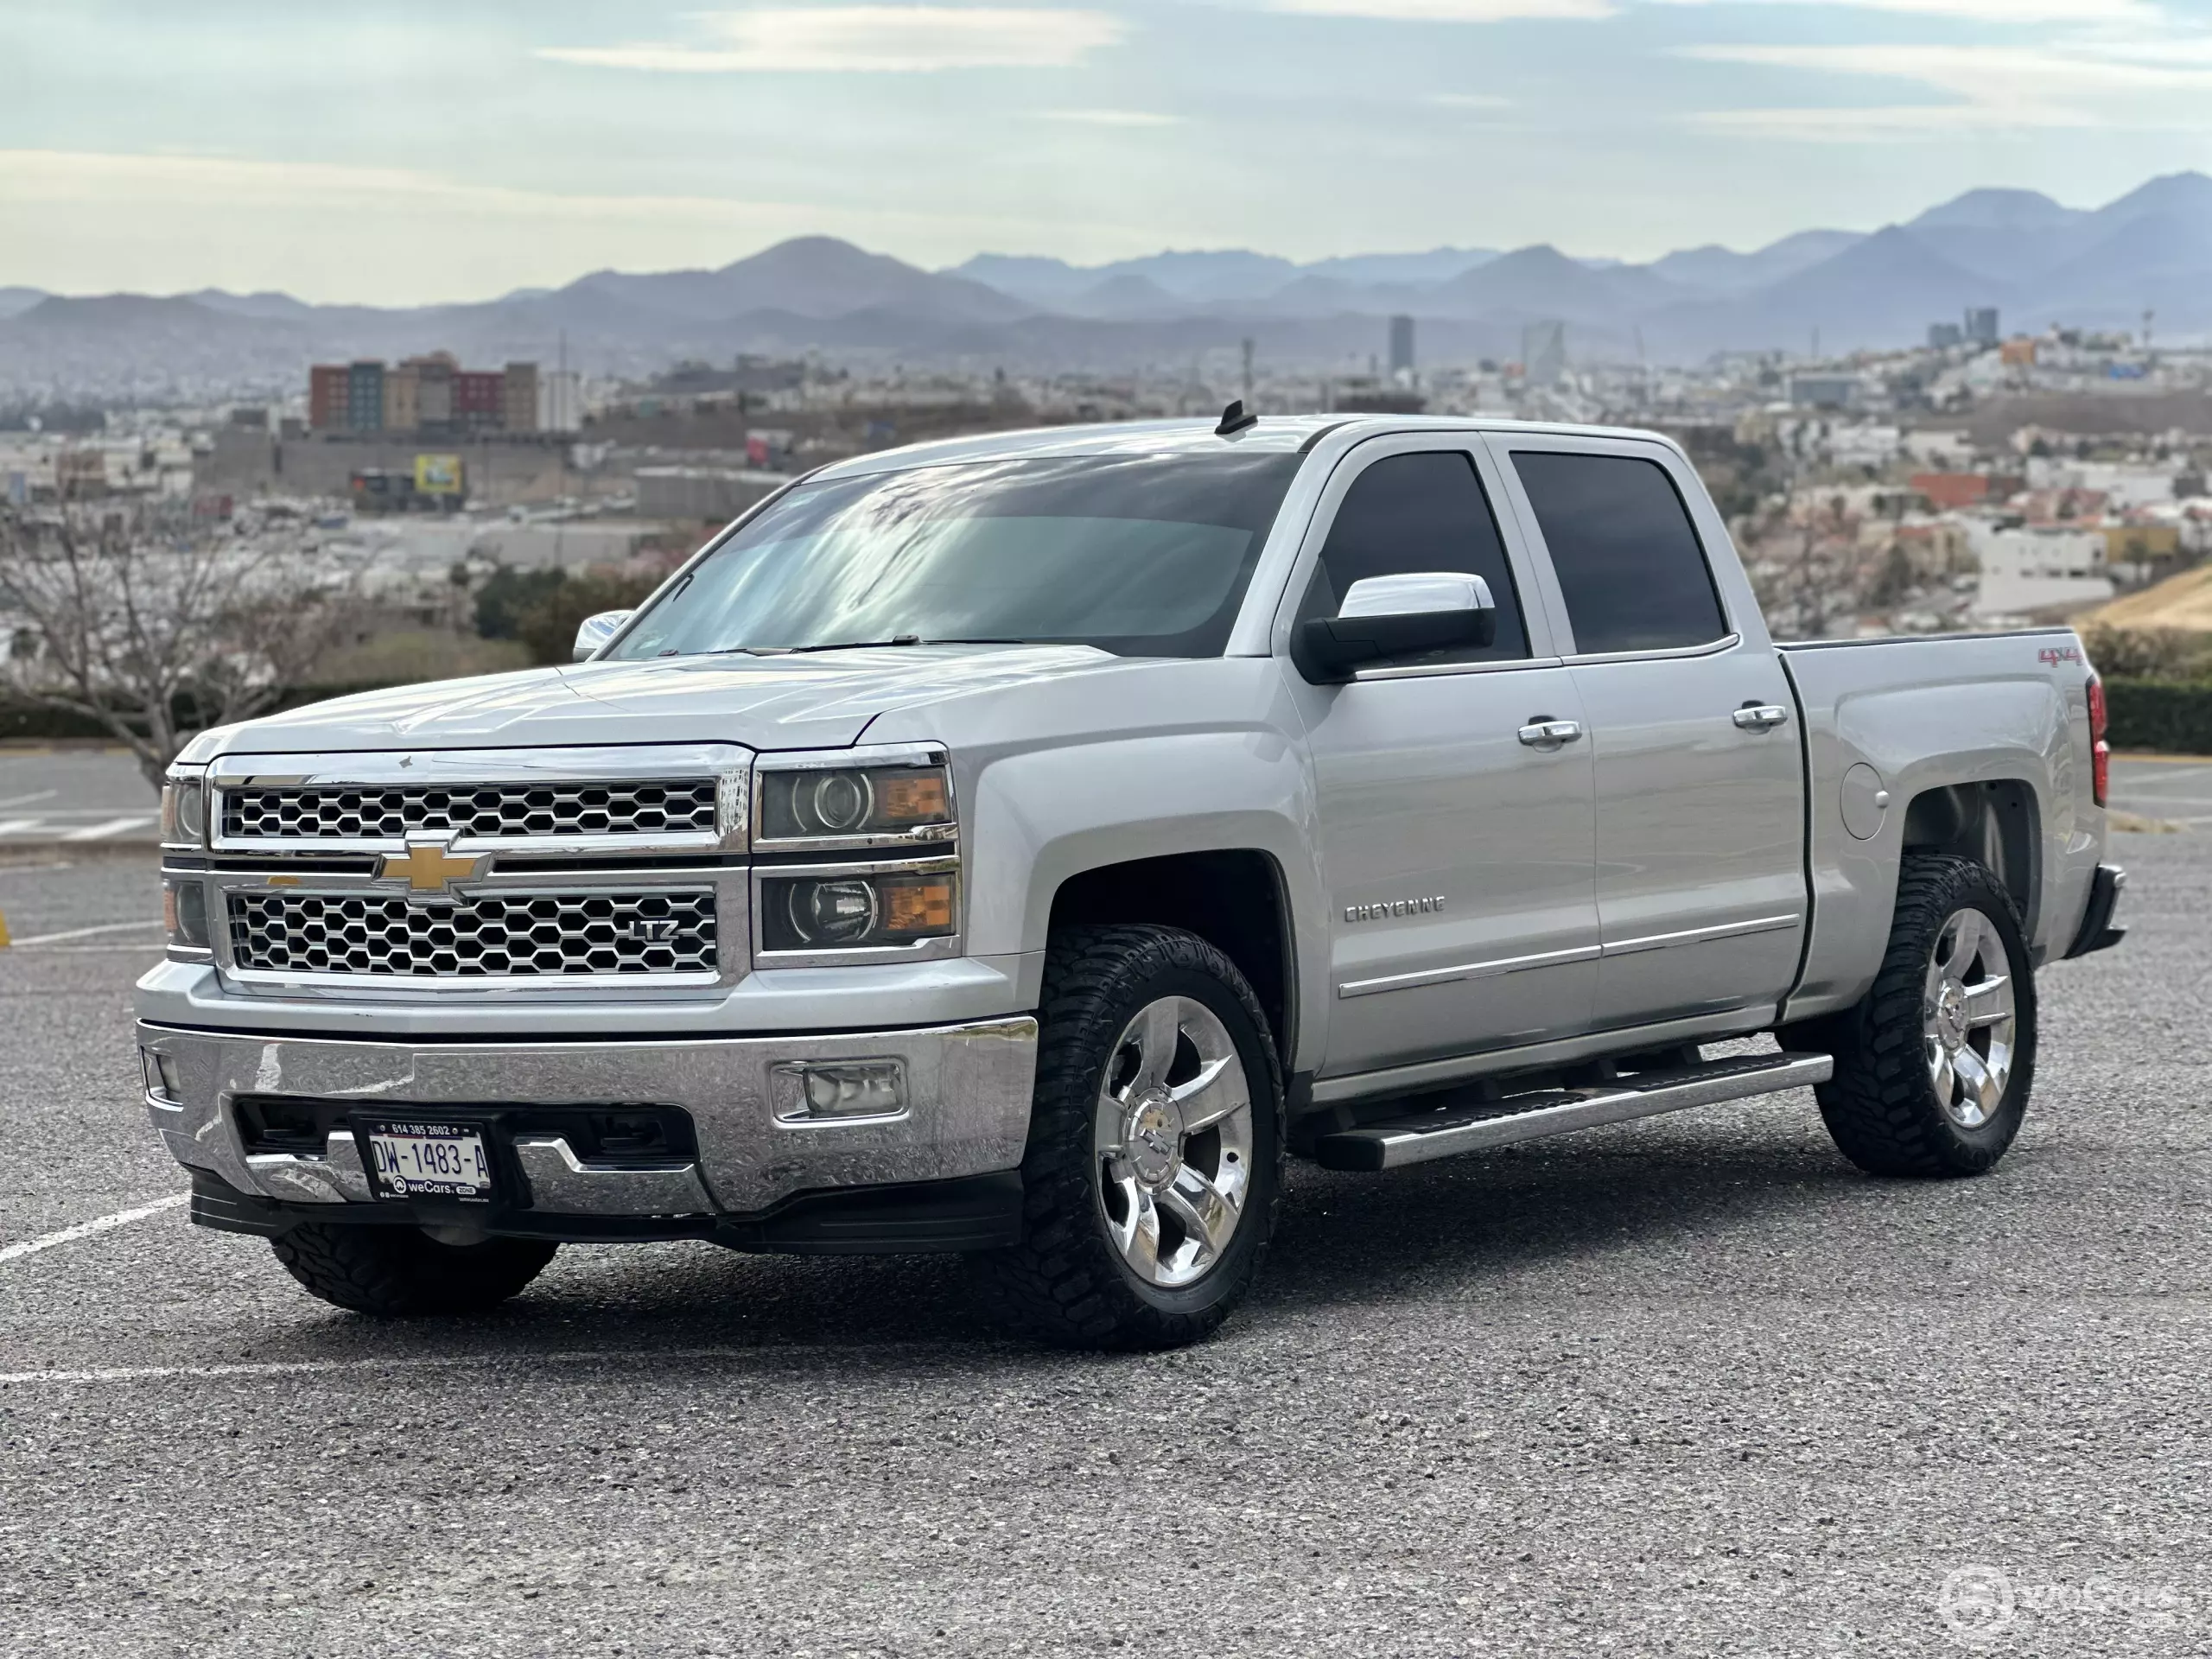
437,474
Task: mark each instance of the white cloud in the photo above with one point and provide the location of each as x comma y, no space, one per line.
1449,11
1111,117
1854,124
880,40
1989,88
81,176
2197,48
1468,101
2076,12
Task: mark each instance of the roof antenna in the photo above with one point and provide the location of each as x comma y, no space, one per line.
1234,419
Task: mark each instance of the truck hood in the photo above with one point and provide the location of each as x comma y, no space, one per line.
824,701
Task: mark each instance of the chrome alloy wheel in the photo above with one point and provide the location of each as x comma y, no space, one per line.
1967,1015
1174,1139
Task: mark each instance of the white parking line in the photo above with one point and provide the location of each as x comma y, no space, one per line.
19,826
25,800
139,950
113,826
344,1367
87,1229
84,932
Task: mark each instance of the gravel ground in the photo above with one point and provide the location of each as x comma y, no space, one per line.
1692,1386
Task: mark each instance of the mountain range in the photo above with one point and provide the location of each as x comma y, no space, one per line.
2037,260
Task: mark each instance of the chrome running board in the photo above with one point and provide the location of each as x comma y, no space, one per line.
1443,1130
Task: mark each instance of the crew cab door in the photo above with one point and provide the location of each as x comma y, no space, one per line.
1456,850
1700,783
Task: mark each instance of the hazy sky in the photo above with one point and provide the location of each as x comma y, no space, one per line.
398,152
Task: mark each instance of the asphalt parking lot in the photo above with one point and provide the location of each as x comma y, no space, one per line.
1694,1386
72,796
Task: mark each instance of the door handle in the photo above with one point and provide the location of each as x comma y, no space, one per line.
1550,733
1760,717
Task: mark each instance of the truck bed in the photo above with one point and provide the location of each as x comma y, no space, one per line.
1980,744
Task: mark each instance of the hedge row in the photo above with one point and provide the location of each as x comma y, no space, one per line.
2158,714
32,721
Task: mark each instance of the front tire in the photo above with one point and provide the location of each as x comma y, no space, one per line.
1934,1067
401,1272
1155,1163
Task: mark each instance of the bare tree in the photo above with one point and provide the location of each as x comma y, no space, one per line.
1803,571
155,626
1809,589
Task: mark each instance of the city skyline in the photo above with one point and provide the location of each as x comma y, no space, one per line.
426,156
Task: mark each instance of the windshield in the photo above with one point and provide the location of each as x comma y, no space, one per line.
1143,555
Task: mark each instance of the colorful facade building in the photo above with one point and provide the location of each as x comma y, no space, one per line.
432,394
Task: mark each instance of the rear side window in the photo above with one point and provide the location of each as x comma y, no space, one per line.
1629,561
1419,513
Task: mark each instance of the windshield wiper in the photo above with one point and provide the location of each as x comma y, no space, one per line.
847,645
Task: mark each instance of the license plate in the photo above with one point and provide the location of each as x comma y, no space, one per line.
429,1160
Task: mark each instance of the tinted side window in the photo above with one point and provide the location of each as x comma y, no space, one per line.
1629,561
1408,513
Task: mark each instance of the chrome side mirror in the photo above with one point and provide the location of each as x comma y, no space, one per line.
1396,616
596,630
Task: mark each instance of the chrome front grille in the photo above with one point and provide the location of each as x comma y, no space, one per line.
510,811
483,936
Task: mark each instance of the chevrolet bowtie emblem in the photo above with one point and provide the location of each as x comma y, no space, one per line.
429,867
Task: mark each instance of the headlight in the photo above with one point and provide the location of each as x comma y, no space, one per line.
855,805
184,913
846,912
184,812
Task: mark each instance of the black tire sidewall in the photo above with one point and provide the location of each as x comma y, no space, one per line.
401,1272
1066,1282
1256,1054
1881,1106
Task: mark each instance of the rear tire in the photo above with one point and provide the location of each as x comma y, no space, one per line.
402,1272
1154,1164
1935,1065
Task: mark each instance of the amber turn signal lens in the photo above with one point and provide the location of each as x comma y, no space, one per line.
917,907
911,797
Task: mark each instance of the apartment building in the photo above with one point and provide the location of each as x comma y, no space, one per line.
432,395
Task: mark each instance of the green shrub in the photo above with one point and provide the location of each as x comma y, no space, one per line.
508,596
33,722
549,627
2172,655
2156,715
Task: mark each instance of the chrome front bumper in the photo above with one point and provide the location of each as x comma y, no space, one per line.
966,1111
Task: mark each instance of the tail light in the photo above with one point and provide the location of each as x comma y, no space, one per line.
2099,751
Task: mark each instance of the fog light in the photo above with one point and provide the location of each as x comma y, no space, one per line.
820,1091
160,1076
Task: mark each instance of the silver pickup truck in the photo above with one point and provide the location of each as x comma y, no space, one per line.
1019,845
